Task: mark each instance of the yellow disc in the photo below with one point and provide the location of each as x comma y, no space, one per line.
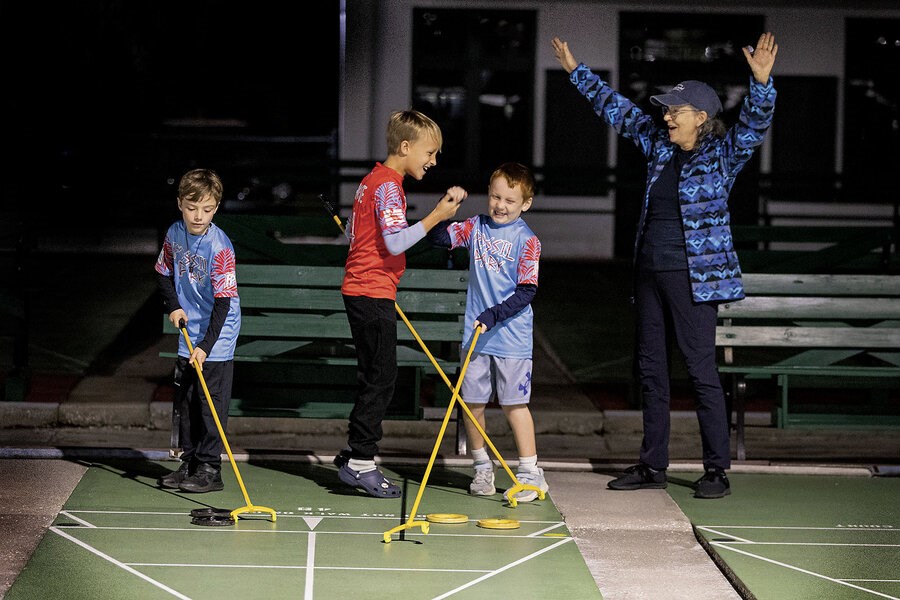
447,518
499,523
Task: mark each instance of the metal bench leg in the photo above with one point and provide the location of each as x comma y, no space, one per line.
461,439
783,385
735,387
739,390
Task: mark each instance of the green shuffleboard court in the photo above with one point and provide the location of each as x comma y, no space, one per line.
119,536
803,537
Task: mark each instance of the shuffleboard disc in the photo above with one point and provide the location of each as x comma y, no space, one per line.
499,523
447,518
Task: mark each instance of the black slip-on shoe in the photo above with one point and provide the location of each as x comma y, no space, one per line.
639,477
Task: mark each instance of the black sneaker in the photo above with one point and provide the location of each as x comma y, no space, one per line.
639,477
174,479
206,478
713,484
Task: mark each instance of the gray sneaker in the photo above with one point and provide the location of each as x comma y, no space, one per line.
529,478
483,484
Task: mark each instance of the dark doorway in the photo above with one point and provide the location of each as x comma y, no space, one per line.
871,128
473,73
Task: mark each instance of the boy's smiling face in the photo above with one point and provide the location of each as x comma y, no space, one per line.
421,155
505,203
197,213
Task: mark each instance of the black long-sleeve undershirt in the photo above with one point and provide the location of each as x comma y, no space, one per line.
217,318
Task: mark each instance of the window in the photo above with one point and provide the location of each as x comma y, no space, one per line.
872,93
473,73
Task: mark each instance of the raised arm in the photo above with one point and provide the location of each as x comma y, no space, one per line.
761,59
564,55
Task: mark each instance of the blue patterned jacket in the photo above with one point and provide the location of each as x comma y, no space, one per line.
705,181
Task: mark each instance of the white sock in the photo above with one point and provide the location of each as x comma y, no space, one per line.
481,459
528,464
361,466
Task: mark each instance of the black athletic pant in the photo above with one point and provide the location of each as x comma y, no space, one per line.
666,311
373,324
200,439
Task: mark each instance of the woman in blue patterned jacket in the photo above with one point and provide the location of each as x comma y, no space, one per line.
685,263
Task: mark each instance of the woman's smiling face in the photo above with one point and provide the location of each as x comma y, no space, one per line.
684,123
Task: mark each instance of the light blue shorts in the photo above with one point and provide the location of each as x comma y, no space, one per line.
509,378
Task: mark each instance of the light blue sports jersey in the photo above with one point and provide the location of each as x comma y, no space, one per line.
204,269
500,258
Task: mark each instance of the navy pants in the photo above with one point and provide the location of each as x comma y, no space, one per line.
666,313
198,434
373,324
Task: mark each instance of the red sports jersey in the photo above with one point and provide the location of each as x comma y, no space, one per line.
379,208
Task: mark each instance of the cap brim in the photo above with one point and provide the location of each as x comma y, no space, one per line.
667,100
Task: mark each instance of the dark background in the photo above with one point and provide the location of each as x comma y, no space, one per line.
107,102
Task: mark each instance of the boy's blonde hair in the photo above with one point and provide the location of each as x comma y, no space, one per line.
410,125
198,184
516,174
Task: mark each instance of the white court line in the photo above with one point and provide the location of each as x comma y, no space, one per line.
502,569
302,567
208,566
124,512
233,531
284,515
791,527
717,532
118,564
805,571
310,563
816,544
739,540
541,532
404,570
210,530
74,518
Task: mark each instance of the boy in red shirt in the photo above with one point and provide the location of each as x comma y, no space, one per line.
379,236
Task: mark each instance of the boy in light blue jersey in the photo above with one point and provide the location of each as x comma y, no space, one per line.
196,279
503,265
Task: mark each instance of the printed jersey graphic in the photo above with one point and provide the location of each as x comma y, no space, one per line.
503,256
379,209
203,267
390,203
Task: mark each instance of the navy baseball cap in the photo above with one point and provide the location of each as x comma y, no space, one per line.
696,93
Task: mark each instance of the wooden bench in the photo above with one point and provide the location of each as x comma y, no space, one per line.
816,249
295,356
812,331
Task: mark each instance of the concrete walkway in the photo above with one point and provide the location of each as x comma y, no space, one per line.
33,493
638,544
